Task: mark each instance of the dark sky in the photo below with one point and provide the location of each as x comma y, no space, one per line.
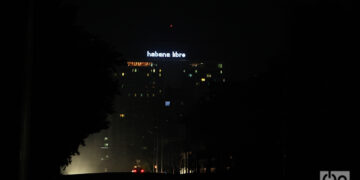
243,34
135,26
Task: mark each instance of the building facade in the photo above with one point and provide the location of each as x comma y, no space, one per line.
148,128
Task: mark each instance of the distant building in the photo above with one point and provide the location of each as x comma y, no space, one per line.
148,128
155,96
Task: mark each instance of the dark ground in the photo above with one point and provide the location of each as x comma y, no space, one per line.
113,176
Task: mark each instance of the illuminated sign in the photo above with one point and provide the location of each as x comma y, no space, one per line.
139,64
173,54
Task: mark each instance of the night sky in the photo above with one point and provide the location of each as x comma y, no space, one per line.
242,34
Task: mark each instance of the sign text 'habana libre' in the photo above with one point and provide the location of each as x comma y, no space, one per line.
173,54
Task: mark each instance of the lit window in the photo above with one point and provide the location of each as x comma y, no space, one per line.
147,74
220,66
107,156
122,115
153,94
135,70
196,71
123,74
190,75
154,70
203,79
223,79
141,95
208,75
167,103
135,95
160,70
106,144
159,74
106,138
221,71
184,71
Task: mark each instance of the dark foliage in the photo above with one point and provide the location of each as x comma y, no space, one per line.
72,88
299,110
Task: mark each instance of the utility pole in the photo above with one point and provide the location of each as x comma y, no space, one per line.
162,154
157,154
26,100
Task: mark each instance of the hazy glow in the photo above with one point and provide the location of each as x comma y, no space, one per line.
184,170
203,79
87,161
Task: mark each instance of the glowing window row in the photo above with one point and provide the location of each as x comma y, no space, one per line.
143,95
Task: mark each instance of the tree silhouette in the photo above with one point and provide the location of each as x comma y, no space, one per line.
72,89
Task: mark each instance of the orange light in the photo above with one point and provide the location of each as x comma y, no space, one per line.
139,64
195,64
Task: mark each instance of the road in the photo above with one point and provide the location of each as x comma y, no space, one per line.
125,176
